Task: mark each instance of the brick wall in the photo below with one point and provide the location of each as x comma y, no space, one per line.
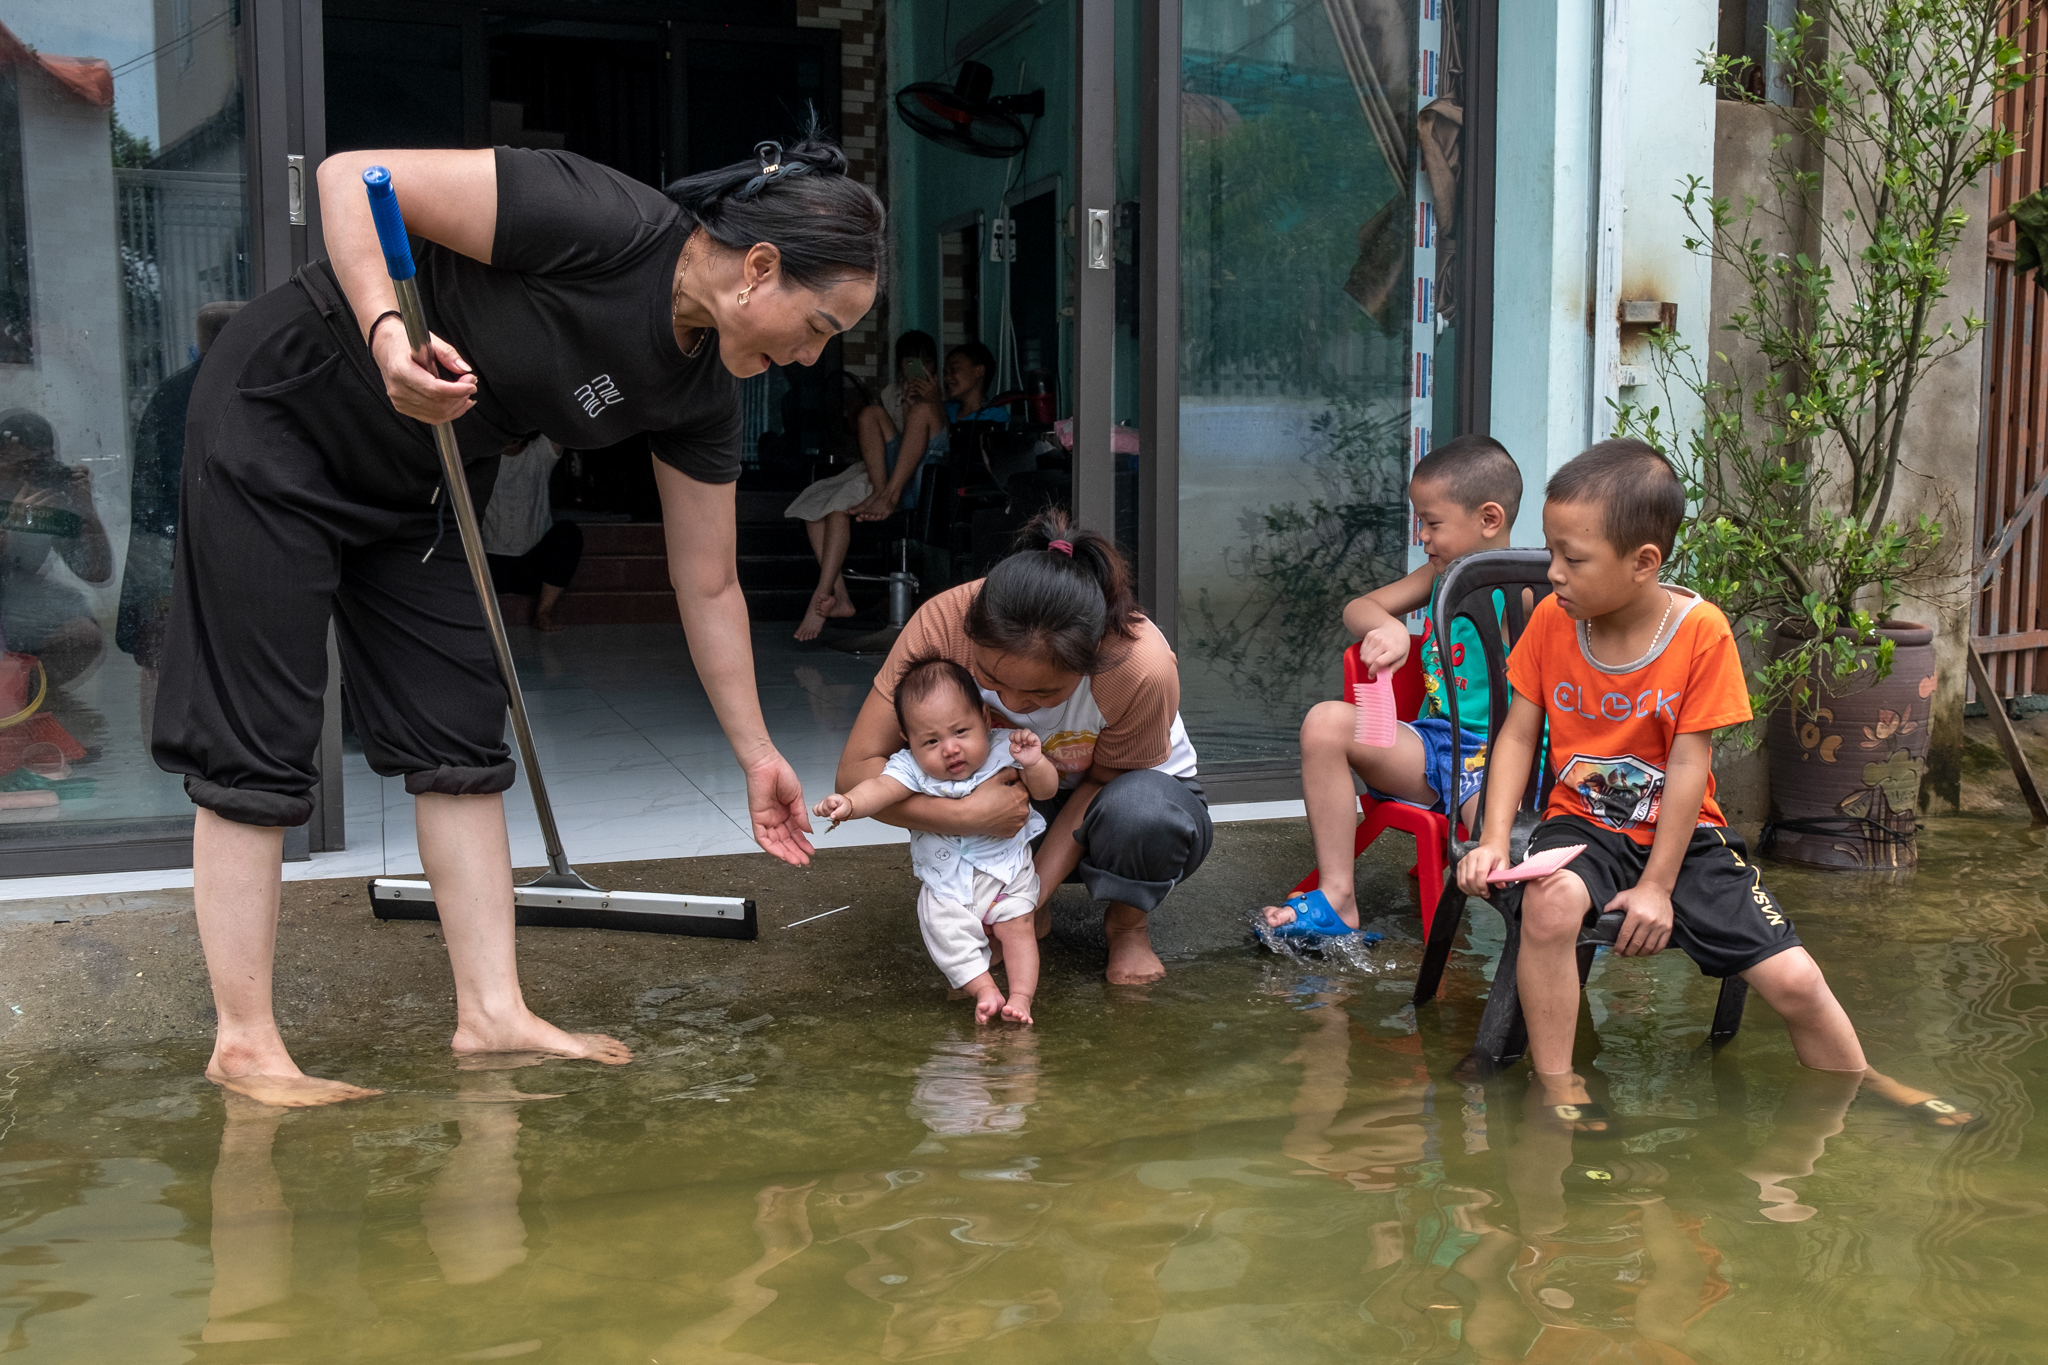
864,132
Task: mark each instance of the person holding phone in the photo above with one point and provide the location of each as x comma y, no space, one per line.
48,516
896,435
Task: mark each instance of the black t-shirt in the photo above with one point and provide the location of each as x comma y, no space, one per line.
569,327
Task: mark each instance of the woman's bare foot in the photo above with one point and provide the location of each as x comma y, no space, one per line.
1017,1009
814,619
987,1002
842,605
1566,1100
544,618
291,1092
1927,1106
1345,904
267,1074
1131,959
534,1036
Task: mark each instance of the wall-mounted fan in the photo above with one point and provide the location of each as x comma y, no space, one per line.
965,117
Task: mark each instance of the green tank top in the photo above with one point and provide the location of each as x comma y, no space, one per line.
1466,671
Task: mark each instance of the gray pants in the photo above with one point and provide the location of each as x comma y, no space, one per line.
1143,834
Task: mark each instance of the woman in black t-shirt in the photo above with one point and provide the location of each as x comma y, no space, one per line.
567,301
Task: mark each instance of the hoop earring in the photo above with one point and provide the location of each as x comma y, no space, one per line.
744,292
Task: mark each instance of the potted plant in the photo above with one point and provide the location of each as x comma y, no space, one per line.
1794,462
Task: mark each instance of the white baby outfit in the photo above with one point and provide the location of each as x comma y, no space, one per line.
971,881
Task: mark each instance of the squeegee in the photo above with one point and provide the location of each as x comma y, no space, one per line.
559,898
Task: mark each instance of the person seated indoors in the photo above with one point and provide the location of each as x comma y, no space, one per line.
896,435
1465,494
976,886
970,369
1633,676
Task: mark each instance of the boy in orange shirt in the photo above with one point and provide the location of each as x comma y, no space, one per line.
1633,677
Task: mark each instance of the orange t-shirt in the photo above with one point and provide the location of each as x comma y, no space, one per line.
1611,727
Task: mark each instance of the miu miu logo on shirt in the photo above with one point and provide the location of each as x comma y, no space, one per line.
599,394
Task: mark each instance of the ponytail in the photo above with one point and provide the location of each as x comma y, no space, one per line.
1058,597
827,226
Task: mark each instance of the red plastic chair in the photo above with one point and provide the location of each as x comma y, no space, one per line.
1376,817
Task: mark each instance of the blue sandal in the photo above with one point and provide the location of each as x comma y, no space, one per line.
1314,917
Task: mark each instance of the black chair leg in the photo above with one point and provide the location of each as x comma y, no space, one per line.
1503,1036
1728,1010
1443,932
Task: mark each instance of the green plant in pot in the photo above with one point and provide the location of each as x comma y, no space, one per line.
1795,460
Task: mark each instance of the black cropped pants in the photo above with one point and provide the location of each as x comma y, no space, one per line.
1143,834
282,530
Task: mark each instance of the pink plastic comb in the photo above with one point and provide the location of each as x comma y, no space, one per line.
1536,868
1375,711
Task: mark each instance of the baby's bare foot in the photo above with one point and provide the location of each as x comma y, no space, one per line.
987,1002
1017,1009
530,1039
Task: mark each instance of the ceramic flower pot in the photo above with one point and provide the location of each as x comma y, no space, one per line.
1846,761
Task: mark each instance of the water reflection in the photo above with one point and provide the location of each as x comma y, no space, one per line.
1277,1168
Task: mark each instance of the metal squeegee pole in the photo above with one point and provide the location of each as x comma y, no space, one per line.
390,233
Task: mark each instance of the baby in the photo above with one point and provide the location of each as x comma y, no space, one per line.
975,885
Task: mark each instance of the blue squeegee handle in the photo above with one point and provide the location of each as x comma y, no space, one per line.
398,261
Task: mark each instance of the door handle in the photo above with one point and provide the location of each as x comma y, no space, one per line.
295,189
1098,239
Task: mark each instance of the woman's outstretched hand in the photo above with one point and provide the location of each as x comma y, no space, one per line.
417,391
775,804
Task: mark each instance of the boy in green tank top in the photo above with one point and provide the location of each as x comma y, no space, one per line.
1465,494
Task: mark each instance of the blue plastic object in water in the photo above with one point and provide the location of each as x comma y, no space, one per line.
390,224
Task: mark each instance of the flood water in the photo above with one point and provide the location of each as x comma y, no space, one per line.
1262,1159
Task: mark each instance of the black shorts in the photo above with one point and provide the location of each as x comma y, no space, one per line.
1722,915
277,536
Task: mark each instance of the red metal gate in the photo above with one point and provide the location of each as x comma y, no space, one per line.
2009,624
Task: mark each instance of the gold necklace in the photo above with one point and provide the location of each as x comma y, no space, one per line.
675,312
1662,621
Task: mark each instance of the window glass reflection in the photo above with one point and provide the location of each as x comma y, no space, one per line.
123,248
1313,238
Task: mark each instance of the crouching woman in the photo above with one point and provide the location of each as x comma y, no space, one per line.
1058,646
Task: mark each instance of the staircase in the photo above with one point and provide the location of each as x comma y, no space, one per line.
624,575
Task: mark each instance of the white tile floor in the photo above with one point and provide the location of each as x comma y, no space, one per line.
636,765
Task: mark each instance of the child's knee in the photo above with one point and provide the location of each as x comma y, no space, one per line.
1328,727
1791,982
1554,909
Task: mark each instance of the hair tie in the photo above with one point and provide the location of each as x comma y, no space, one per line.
776,165
1065,547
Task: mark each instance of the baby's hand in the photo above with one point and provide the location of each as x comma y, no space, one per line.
1025,748
835,808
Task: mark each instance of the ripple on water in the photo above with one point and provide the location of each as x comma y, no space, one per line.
1256,1161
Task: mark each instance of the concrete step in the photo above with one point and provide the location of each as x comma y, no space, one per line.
579,608
622,573
622,538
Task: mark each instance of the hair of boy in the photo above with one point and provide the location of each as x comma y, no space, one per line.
1639,495
1474,470
917,346
977,354
928,676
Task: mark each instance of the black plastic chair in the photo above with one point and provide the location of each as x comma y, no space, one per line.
1468,589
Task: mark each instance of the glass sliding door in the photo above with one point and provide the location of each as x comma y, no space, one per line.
1319,154
124,245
